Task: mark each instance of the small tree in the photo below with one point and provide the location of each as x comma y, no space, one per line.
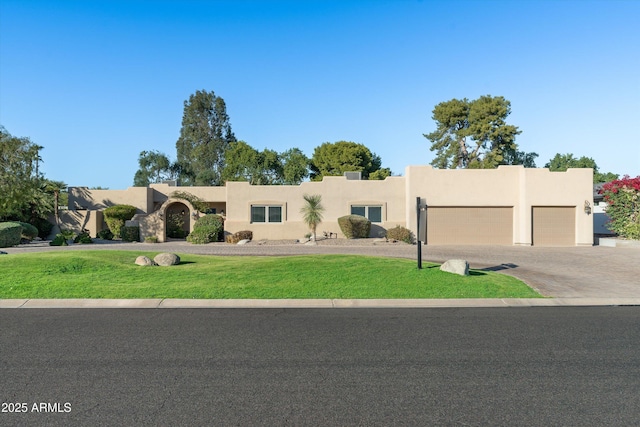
312,211
623,199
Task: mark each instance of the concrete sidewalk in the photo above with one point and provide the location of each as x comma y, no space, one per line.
315,303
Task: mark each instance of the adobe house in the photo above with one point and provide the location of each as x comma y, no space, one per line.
510,205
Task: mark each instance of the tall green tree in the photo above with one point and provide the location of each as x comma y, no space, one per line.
562,162
473,134
295,166
20,188
312,211
204,137
245,163
154,166
334,159
515,157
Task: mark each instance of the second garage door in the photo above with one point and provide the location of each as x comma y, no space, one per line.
469,226
554,226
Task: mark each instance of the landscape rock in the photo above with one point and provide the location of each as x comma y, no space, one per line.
456,266
143,260
244,241
167,259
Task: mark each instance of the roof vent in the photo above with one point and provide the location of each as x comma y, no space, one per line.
353,176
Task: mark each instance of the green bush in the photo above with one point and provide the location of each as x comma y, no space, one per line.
10,233
105,234
240,235
116,216
59,240
44,227
355,226
130,233
208,228
151,239
29,232
83,237
400,233
67,234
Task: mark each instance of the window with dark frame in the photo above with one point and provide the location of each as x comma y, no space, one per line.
372,213
266,213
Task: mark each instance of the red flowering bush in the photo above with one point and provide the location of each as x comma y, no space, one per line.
623,198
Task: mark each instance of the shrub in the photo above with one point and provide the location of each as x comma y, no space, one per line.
400,233
29,232
151,239
83,237
130,233
44,227
208,228
10,233
623,199
240,235
105,234
59,240
354,226
115,217
67,234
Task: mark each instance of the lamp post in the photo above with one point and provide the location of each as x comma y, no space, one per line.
419,208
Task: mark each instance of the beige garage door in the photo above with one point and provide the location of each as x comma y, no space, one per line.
554,226
470,226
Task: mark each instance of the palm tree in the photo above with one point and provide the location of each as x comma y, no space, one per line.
55,187
312,211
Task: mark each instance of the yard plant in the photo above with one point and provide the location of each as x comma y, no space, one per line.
623,199
113,274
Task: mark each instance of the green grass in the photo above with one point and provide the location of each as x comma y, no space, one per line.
113,274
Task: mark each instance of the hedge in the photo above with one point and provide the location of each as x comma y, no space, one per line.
208,228
10,234
355,226
116,216
29,232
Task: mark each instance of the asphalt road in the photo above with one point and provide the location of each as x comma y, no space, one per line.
508,366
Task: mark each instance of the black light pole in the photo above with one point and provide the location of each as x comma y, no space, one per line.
418,234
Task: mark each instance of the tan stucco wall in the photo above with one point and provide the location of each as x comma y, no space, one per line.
338,194
84,198
507,186
515,186
77,221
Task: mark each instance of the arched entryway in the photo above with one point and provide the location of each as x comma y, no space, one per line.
177,220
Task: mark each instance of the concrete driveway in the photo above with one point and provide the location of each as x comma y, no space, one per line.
561,272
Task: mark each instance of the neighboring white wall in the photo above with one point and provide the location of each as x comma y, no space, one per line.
600,219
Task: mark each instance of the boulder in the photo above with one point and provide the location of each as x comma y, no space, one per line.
456,266
166,259
143,260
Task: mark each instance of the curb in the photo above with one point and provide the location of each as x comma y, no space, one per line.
317,303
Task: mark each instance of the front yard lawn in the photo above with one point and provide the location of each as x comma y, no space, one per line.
113,274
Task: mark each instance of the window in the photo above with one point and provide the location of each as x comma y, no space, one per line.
266,213
372,213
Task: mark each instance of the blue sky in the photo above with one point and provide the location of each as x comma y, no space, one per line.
98,82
